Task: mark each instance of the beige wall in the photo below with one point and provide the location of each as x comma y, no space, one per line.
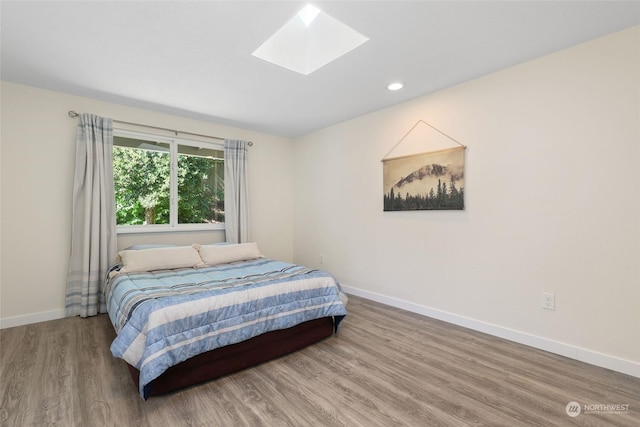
38,154
552,204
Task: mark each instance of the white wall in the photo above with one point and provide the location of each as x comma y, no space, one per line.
38,154
552,204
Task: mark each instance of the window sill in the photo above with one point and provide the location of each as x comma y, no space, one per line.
144,229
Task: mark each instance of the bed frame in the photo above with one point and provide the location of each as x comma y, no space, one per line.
235,357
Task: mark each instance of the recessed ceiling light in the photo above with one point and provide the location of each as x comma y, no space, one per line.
395,86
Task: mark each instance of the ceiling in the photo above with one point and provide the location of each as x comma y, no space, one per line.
193,58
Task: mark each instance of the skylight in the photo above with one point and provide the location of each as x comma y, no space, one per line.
308,41
308,14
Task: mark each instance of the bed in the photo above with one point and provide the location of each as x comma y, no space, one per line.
188,314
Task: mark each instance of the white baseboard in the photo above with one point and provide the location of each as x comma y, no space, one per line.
578,353
27,319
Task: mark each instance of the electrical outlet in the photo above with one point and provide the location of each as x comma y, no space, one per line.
548,301
321,258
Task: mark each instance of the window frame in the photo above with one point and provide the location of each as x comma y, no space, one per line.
173,225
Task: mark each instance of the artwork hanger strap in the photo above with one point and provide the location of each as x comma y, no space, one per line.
386,156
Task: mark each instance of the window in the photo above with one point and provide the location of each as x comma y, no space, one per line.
166,183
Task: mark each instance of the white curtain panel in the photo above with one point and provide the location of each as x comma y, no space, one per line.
93,235
236,191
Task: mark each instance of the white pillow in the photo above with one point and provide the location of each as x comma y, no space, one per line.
220,254
159,259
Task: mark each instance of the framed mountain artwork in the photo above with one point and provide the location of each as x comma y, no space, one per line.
426,181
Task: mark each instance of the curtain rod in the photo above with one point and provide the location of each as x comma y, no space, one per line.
176,132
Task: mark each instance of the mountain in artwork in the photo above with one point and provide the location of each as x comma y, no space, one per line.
422,180
432,180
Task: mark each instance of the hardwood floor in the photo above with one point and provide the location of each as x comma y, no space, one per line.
386,367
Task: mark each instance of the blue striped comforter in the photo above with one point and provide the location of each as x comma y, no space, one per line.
165,317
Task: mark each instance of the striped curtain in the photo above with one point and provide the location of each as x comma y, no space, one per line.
236,191
93,234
